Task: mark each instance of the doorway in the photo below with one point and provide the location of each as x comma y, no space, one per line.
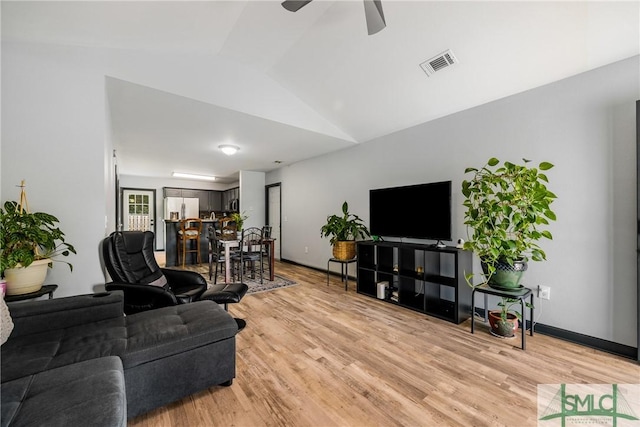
638,227
138,210
273,216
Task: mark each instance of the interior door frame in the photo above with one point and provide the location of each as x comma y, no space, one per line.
638,228
266,213
153,215
118,206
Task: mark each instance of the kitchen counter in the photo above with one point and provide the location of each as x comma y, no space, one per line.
203,221
171,242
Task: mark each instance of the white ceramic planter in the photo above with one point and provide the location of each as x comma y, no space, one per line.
21,280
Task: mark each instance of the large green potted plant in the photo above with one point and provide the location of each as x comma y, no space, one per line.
29,244
343,230
508,206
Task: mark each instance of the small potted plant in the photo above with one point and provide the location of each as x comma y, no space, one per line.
239,219
504,322
29,243
507,207
343,230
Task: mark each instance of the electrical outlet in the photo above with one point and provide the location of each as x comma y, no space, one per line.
306,249
544,292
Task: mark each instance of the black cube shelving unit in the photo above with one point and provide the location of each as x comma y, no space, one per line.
423,278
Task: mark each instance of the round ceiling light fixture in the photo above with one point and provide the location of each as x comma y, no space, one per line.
229,149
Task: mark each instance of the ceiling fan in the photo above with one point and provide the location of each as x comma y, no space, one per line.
372,9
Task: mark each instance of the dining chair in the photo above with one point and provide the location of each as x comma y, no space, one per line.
216,254
249,253
228,229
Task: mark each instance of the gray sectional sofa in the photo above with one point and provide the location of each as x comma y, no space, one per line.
80,361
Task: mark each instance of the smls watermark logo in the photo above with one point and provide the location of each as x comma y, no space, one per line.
615,405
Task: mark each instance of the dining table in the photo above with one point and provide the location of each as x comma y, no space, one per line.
229,244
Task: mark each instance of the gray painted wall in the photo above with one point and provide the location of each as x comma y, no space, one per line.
252,198
54,107
54,135
585,125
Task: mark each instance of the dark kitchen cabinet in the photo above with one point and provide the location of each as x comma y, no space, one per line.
208,200
228,198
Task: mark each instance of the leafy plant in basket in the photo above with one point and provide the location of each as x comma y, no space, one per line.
507,207
342,231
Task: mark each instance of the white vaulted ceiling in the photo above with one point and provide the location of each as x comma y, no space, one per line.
298,85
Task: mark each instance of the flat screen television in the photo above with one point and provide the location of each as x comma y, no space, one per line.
421,211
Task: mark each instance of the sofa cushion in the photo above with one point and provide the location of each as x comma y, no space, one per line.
180,328
29,354
36,316
86,393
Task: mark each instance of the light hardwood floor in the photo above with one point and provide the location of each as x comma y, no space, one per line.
315,355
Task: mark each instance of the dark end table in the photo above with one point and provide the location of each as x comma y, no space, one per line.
521,294
344,270
46,289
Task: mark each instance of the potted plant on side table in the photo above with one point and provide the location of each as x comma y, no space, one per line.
343,230
507,206
504,322
29,244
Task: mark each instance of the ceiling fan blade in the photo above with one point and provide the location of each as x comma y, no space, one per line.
294,5
375,16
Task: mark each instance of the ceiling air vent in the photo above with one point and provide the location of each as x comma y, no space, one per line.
438,62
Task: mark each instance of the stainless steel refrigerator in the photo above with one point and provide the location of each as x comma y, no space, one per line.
186,207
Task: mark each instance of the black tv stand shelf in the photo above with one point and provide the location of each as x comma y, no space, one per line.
423,278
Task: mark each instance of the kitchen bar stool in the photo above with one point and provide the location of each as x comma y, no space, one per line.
190,230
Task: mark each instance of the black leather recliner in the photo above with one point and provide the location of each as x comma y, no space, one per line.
129,259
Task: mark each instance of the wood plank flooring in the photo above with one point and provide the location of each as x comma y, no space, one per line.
315,355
